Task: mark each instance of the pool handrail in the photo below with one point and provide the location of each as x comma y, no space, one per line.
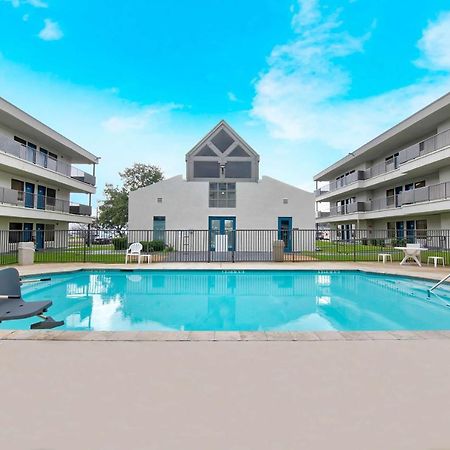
438,284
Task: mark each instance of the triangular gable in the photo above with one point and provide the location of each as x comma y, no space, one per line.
222,140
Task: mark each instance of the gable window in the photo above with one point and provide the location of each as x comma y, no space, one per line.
206,169
222,195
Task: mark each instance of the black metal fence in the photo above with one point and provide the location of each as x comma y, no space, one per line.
103,246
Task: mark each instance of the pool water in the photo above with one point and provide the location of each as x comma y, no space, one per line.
239,300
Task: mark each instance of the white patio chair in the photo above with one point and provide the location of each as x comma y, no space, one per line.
134,249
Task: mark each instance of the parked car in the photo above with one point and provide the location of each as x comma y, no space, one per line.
98,240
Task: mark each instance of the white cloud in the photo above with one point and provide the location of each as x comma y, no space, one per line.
302,94
232,96
139,120
51,31
35,3
435,44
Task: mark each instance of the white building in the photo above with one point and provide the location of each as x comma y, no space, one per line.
37,177
222,192
398,182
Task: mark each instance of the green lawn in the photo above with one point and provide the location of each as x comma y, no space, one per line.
324,251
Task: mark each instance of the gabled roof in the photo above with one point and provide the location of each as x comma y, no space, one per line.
222,140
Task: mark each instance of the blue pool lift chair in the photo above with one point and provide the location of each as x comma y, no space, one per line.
14,307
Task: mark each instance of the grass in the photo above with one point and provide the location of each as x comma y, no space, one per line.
324,251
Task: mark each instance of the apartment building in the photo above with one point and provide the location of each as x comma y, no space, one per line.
398,182
222,192
37,177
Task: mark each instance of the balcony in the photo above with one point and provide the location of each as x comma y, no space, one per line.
33,156
42,202
350,208
434,192
429,145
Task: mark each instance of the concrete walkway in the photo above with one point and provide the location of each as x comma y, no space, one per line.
360,395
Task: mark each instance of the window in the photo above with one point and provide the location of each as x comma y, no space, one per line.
20,140
50,232
391,230
51,197
206,169
222,195
419,184
15,232
390,199
159,228
421,228
238,169
18,185
409,186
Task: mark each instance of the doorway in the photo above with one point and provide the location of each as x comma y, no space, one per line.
40,239
285,232
222,233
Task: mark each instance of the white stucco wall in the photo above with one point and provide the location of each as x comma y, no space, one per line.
185,206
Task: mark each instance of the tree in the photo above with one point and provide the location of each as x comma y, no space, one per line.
140,175
113,213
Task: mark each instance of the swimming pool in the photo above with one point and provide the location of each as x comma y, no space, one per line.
238,300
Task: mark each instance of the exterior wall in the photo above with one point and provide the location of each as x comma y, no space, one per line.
185,206
432,167
13,165
61,233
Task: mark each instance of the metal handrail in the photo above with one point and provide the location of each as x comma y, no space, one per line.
438,284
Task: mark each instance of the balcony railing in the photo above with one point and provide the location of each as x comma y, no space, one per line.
37,201
41,159
439,191
429,145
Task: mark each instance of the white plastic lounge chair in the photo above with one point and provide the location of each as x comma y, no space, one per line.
134,249
14,307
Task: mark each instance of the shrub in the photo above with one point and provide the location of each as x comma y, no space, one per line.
153,246
120,243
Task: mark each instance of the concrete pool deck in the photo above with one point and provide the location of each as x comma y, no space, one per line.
230,391
371,395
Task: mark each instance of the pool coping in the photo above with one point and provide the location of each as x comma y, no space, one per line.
220,336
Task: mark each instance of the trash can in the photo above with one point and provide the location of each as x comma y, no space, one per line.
278,251
26,253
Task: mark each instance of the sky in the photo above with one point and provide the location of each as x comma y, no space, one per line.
304,82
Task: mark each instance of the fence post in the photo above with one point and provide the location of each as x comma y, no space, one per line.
85,246
354,245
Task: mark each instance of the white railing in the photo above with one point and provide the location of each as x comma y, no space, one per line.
46,161
429,145
43,202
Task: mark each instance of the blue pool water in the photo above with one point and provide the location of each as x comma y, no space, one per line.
229,300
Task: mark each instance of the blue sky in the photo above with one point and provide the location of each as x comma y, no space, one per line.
304,82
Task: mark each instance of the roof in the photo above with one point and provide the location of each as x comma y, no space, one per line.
222,125
415,127
22,122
